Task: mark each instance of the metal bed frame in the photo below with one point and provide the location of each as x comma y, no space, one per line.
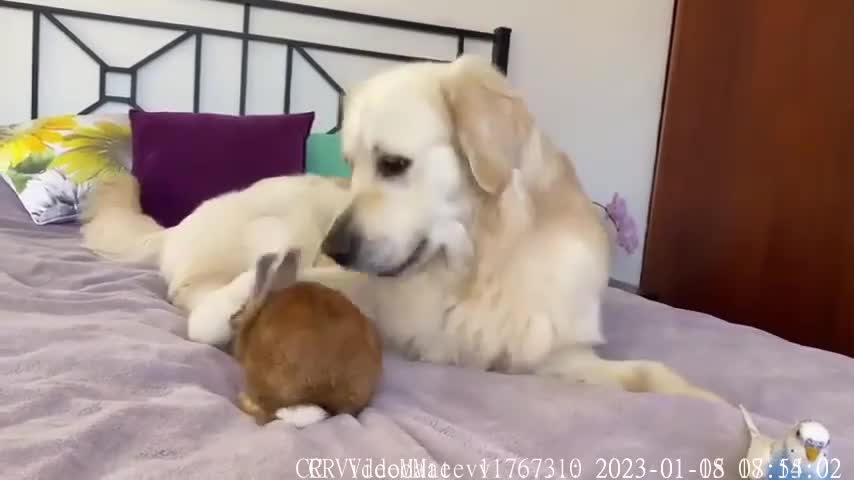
500,39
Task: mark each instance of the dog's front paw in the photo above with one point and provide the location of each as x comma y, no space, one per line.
210,322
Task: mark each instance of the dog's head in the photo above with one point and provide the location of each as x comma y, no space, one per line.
425,142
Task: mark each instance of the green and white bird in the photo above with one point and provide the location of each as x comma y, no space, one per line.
802,453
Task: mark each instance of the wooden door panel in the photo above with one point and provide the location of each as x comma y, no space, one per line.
753,198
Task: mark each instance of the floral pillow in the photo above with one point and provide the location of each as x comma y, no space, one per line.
52,162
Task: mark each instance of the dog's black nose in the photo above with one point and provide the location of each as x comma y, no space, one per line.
341,244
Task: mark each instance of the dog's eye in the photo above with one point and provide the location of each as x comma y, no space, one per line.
392,165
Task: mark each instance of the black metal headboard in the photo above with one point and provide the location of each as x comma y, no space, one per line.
500,39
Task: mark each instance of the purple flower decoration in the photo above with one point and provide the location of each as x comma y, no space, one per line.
627,230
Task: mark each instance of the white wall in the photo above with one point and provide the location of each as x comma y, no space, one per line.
591,70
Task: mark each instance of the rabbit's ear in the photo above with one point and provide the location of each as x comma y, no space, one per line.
274,272
286,271
264,270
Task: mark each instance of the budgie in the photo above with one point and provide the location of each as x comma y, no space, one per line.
802,453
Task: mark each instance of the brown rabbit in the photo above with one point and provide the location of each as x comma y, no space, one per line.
306,350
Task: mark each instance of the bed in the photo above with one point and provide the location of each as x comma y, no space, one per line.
99,381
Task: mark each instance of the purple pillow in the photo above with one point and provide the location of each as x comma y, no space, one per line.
182,159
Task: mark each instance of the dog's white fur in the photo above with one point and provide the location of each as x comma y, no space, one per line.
516,259
208,257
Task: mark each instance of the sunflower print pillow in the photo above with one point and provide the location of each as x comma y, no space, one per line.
52,162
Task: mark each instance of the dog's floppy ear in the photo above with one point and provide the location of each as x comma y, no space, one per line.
491,122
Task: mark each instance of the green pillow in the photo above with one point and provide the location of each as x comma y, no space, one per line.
323,156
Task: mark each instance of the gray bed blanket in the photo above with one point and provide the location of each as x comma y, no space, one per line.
98,381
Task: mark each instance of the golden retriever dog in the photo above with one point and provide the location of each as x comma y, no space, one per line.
439,148
465,234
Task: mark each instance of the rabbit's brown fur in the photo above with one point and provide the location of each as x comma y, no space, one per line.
307,344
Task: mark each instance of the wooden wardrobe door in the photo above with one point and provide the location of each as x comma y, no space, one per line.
752,212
